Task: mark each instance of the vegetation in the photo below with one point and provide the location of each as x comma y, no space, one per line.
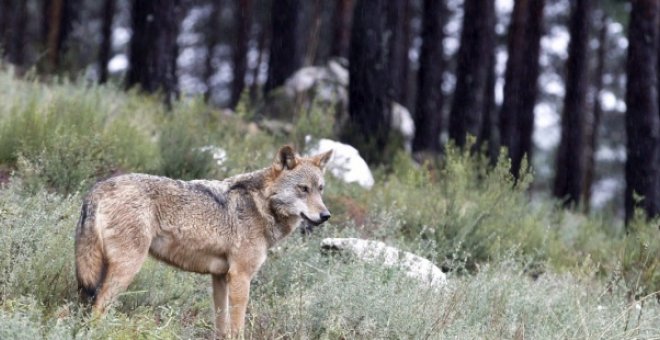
517,268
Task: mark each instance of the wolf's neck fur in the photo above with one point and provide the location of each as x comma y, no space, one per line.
256,185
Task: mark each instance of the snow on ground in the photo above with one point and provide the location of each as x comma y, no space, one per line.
346,163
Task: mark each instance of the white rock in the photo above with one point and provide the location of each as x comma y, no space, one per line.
304,79
329,84
219,154
415,267
346,163
403,122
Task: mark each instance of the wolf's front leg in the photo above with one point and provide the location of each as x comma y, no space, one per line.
220,305
239,293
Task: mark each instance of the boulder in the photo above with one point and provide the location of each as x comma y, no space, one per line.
327,86
376,252
345,164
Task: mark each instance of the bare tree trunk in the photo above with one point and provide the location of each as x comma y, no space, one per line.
263,42
243,25
474,58
5,25
516,117
570,155
642,116
105,50
369,103
530,75
591,135
153,47
312,37
397,20
488,132
16,45
59,17
342,28
428,113
284,58
212,33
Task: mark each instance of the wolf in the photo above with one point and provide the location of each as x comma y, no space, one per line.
222,228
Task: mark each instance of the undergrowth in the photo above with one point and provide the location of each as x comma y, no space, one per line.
518,267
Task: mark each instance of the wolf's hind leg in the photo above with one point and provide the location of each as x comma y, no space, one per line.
119,275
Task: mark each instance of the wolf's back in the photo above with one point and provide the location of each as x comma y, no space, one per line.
90,265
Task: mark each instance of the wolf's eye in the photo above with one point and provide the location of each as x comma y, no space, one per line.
320,187
304,188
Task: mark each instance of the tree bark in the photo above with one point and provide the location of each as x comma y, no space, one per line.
591,134
430,99
284,56
153,47
59,16
474,58
5,25
105,50
212,33
312,36
488,134
342,28
569,167
369,104
520,88
397,22
642,116
243,25
16,44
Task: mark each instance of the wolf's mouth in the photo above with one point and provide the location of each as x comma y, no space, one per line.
309,220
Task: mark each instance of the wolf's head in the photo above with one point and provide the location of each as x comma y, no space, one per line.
297,184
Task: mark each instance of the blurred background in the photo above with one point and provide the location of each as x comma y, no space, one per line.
545,79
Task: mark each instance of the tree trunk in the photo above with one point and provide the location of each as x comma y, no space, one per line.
153,47
342,28
284,57
369,104
591,133
16,44
313,34
105,50
569,164
397,20
212,33
428,112
642,116
530,75
5,25
243,25
59,16
474,57
488,132
520,88
262,44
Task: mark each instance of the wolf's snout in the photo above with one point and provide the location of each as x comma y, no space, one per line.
325,216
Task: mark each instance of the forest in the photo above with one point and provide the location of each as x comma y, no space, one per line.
513,143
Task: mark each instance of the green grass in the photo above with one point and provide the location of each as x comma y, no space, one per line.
519,267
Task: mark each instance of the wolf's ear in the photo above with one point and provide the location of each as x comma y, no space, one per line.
321,160
285,159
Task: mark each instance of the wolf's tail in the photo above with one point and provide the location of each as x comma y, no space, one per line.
90,263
